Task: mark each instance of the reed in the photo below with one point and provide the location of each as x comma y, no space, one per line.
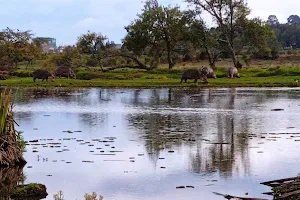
11,152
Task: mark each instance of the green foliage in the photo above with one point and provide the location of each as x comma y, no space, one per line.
87,75
71,57
27,189
15,46
157,32
22,73
5,108
91,43
93,196
21,141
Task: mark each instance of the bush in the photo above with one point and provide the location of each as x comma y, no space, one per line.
86,75
22,73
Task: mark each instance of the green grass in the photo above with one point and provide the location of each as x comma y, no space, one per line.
273,81
259,74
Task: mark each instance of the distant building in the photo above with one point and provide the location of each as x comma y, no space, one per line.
48,44
60,49
112,44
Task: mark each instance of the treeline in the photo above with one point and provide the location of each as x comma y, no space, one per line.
165,34
288,34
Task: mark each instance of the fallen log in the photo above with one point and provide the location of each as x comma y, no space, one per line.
280,180
290,194
226,196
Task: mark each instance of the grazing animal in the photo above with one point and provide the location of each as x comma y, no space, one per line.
64,72
233,72
193,74
209,72
42,74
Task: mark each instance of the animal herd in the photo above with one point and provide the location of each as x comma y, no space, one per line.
206,72
203,74
60,71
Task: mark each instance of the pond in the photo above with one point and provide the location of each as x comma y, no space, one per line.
129,144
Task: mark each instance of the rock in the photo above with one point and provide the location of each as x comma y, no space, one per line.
171,151
180,187
30,191
163,167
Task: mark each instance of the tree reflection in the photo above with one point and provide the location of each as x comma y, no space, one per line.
197,131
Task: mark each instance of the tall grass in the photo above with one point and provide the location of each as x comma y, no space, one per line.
11,141
5,109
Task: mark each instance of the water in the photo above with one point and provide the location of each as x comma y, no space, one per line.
144,125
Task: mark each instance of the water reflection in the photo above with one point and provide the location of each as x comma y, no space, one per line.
162,138
10,179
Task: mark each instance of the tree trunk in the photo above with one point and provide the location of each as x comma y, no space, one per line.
232,52
139,65
169,57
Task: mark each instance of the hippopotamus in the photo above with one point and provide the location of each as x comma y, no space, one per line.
233,72
209,72
63,71
193,74
42,74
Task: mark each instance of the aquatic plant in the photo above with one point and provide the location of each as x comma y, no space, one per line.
11,143
59,196
93,196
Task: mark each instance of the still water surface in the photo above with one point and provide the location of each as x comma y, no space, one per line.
224,140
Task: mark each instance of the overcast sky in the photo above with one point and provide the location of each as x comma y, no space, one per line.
65,20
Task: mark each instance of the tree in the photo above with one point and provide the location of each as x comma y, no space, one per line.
273,21
14,46
93,44
260,37
204,38
157,31
32,53
70,57
227,14
293,19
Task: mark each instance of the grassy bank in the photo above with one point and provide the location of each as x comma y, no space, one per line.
272,81
260,74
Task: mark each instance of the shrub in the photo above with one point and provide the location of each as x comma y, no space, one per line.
86,75
22,73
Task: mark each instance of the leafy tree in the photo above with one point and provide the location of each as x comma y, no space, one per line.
293,19
14,46
157,31
70,57
204,38
273,21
